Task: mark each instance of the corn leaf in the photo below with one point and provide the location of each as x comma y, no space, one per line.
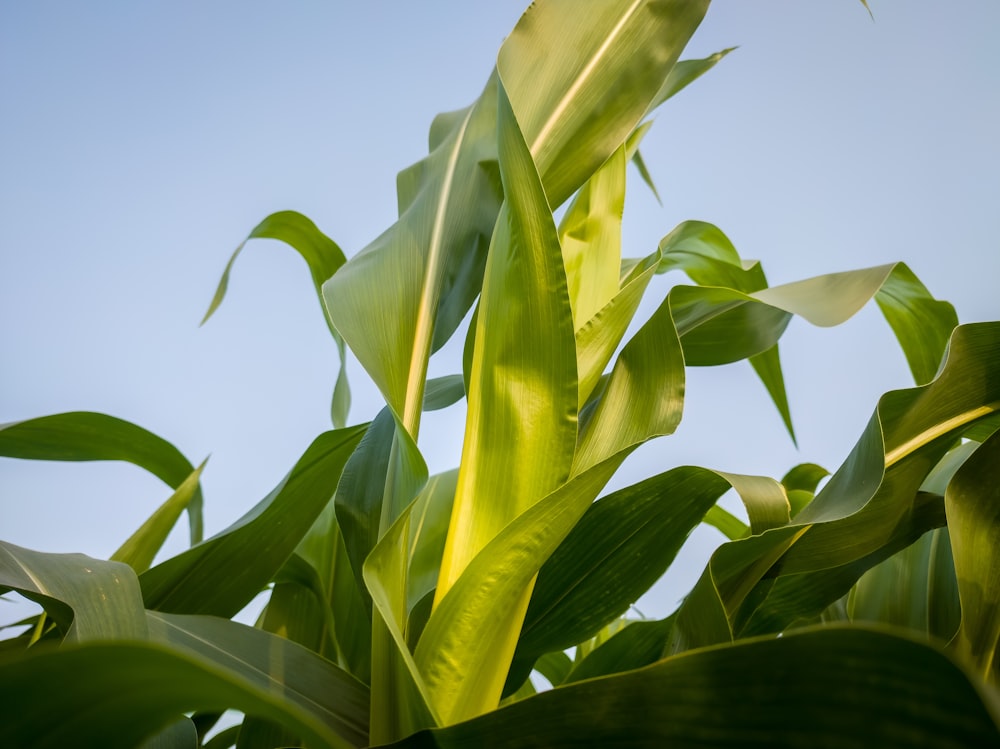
181,734
523,392
91,599
426,269
84,435
324,258
972,502
271,664
133,690
576,106
862,687
321,564
802,568
622,545
141,547
221,575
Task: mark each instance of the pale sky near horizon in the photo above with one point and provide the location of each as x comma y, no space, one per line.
139,143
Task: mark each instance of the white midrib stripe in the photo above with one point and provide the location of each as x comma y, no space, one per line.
425,324
573,90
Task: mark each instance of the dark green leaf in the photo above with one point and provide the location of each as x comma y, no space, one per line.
221,575
84,435
832,687
91,599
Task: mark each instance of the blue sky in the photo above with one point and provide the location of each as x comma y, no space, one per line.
139,143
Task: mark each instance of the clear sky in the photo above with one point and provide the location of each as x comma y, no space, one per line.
140,142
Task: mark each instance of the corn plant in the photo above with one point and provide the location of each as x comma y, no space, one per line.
418,610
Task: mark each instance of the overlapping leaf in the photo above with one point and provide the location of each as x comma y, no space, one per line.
221,575
84,435
765,583
132,690
90,598
973,506
861,688
292,675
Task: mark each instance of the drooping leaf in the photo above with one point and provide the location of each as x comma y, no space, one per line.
221,575
84,435
90,598
324,259
802,568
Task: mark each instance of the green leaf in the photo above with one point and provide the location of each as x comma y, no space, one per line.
428,529
83,435
590,237
684,73
680,76
271,665
972,503
324,259
403,295
522,392
638,644
922,324
621,546
765,583
91,599
141,547
179,735
358,503
457,655
342,624
565,73
131,691
221,575
861,688
442,392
